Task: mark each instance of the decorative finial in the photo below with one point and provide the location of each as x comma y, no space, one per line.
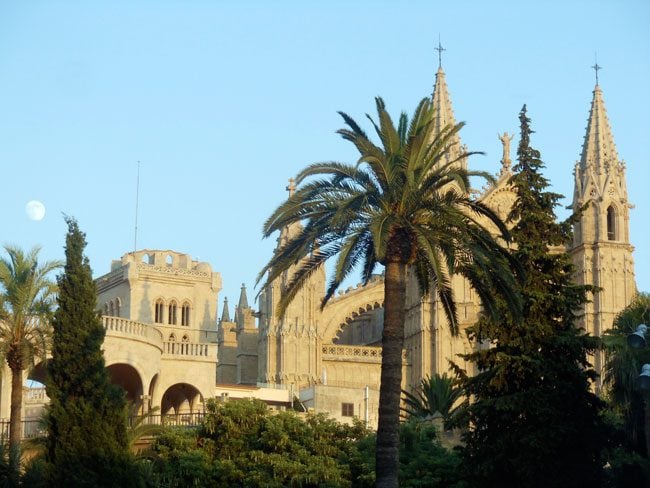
440,49
291,188
596,67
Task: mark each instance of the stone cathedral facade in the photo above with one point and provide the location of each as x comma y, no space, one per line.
331,358
166,347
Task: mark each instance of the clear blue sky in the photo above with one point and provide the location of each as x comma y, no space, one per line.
224,101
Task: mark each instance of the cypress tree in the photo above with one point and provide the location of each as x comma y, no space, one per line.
87,439
534,420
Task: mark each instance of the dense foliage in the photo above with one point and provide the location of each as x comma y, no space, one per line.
534,419
87,439
243,443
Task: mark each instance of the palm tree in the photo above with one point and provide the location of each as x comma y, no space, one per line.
404,205
622,367
436,394
26,302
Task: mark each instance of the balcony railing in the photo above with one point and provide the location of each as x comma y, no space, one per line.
190,349
117,326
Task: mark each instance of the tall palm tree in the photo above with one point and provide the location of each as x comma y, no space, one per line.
404,205
26,302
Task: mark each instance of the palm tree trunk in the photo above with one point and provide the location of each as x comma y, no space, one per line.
387,454
15,433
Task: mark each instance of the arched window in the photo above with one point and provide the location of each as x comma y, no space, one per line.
158,311
169,260
106,309
185,314
111,309
172,338
171,316
611,224
118,307
185,338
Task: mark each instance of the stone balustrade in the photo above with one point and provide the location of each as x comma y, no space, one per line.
117,326
190,349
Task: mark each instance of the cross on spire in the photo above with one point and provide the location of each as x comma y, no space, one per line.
440,49
596,67
291,188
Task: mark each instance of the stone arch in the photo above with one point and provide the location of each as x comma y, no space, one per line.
129,378
347,307
181,398
354,330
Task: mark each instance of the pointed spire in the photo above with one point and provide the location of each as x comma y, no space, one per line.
444,113
442,102
225,315
598,150
243,300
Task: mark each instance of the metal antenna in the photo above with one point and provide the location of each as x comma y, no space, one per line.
596,67
137,201
440,49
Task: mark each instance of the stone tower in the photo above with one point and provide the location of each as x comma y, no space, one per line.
289,346
601,249
427,338
246,341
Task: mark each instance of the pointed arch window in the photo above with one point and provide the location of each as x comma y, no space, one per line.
111,309
612,231
118,307
158,311
171,315
185,314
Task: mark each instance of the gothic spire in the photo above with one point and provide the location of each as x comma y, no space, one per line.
441,102
598,150
243,300
444,113
225,315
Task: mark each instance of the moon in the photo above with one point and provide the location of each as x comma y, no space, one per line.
35,210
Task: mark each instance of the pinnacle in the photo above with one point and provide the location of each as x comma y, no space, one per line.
598,149
225,315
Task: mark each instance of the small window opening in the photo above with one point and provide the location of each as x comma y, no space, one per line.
185,314
171,316
158,312
611,224
347,409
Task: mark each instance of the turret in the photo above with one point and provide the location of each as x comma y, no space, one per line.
226,348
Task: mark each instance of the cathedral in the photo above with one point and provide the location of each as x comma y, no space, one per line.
331,358
165,345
